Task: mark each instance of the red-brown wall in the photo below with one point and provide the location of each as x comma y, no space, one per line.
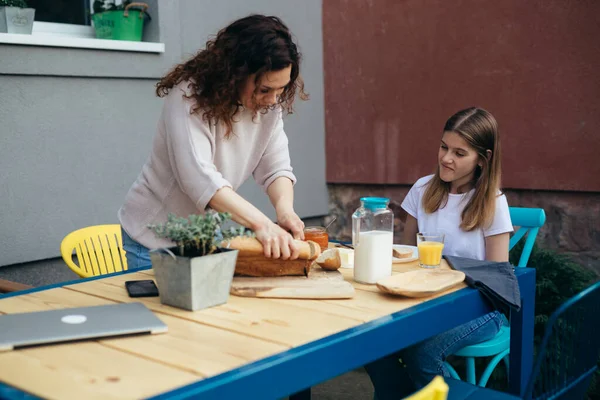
396,70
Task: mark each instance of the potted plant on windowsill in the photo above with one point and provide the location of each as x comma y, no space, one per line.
16,17
119,22
195,273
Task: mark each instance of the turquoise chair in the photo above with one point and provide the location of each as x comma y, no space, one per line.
529,221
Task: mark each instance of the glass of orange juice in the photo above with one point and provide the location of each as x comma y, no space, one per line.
430,245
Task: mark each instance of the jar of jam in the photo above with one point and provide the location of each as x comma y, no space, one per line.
317,234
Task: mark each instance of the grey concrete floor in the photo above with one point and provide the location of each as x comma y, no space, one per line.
354,385
38,273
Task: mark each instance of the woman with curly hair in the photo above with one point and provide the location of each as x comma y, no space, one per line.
222,122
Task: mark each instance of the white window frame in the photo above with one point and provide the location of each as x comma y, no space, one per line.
54,34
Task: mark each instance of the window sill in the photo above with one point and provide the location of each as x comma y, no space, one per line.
50,40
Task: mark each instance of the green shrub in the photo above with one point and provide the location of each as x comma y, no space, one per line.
197,235
13,3
101,6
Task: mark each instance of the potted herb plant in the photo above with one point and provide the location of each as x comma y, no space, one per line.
119,22
16,17
195,273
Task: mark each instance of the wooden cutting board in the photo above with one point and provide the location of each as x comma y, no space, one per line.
320,284
421,283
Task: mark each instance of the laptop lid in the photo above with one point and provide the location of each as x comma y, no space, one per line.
53,326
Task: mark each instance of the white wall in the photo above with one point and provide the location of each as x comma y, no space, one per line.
76,125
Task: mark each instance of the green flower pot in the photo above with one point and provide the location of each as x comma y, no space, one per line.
120,25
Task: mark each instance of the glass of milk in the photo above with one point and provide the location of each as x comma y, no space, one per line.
372,238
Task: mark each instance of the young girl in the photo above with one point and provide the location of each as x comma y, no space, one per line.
222,122
462,200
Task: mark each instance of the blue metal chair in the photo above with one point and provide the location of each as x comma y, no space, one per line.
567,358
529,221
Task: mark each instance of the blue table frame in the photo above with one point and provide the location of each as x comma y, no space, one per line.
293,372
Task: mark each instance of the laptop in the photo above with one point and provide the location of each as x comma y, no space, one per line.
54,326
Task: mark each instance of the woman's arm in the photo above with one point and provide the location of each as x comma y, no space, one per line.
276,241
496,247
409,237
281,194
274,174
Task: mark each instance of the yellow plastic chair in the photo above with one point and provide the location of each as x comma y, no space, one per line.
99,250
437,389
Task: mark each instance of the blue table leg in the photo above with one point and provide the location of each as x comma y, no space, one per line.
303,395
521,340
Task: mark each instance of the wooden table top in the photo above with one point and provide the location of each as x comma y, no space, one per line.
198,345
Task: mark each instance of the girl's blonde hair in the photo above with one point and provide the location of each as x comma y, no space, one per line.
480,130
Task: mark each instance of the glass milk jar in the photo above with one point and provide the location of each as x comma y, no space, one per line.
372,238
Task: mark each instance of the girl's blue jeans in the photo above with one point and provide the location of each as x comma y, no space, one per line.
137,255
423,361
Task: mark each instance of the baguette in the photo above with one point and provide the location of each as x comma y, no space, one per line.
330,259
251,246
260,266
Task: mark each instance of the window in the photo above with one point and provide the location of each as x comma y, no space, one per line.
67,23
76,12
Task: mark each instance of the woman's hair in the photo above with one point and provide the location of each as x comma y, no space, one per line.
252,45
480,130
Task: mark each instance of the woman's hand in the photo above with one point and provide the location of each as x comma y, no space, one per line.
277,243
291,221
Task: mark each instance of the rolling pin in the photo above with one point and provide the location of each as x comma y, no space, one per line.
251,246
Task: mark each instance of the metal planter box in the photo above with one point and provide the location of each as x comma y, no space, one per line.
194,283
16,20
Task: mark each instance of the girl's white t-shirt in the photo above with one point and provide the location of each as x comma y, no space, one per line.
447,220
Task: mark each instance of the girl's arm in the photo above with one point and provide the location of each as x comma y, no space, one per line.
409,237
496,247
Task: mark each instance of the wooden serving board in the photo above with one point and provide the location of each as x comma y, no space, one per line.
320,284
421,283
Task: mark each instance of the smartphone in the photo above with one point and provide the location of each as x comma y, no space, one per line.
145,288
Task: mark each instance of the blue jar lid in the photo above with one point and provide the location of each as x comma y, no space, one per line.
374,203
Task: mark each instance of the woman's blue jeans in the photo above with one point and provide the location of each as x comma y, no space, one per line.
423,361
137,255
